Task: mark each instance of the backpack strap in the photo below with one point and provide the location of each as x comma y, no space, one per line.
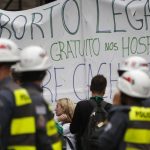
69,142
98,101
99,107
106,106
93,102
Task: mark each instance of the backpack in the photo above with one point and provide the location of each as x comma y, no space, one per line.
95,125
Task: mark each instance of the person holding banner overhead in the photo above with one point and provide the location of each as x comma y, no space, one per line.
32,68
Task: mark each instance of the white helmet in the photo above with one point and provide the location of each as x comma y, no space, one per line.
32,58
134,62
8,51
135,83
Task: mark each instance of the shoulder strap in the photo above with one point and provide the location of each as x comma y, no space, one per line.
69,142
106,106
93,102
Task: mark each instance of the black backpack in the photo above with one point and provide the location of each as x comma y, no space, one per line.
96,123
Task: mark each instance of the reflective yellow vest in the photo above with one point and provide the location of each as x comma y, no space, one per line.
53,133
51,130
137,135
22,126
23,123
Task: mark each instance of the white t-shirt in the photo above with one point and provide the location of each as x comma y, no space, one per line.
69,135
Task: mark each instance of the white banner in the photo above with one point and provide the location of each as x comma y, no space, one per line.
83,38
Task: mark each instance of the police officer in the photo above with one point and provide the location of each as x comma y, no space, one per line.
32,68
128,127
131,63
10,96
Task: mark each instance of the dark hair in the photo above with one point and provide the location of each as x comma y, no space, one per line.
7,64
32,76
136,100
98,84
15,75
120,72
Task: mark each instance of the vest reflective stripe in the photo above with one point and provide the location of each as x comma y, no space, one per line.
23,147
138,132
130,148
140,136
51,128
24,125
57,146
139,114
22,97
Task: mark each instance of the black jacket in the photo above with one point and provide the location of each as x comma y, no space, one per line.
43,116
113,133
15,107
112,136
81,117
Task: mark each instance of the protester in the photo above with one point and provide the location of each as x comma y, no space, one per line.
130,63
84,109
64,112
32,68
128,124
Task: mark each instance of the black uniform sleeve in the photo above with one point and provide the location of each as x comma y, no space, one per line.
113,133
42,139
75,125
81,116
47,134
6,108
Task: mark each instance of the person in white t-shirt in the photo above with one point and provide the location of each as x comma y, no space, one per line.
64,113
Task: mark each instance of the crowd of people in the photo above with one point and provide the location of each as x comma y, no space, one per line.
28,123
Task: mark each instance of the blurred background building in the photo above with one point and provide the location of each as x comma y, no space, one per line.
15,5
